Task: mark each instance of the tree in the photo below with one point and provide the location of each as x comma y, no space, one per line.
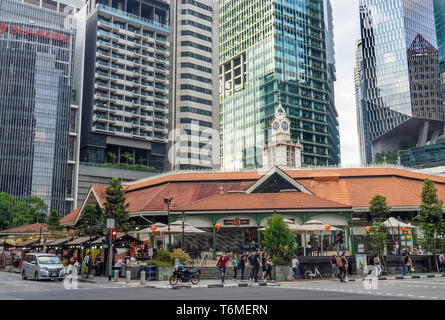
378,207
32,210
112,157
128,156
115,206
431,216
278,240
92,221
7,208
53,222
379,240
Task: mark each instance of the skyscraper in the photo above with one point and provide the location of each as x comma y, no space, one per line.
439,14
402,92
41,52
272,48
125,107
194,62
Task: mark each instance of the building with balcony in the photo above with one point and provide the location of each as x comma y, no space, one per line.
272,48
125,109
41,58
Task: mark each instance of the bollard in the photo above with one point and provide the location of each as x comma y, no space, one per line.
128,276
142,277
116,276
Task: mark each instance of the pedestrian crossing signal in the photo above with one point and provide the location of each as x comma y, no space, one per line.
114,233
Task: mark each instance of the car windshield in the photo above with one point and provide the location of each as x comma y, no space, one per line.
49,260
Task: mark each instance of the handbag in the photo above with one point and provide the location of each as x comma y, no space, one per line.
412,269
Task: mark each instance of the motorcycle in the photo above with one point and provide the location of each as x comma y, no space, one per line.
185,275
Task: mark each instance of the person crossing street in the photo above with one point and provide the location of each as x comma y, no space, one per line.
222,265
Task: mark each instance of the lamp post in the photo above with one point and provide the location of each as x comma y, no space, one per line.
183,221
168,201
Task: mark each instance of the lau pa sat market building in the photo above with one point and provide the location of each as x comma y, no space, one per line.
242,202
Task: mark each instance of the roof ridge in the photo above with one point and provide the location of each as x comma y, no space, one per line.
155,195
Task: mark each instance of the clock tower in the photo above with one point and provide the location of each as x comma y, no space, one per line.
281,150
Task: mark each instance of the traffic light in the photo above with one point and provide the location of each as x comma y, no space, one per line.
340,236
114,234
336,236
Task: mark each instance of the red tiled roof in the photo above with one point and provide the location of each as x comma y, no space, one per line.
258,201
71,217
30,228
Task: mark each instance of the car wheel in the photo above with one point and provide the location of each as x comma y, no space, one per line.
36,276
24,275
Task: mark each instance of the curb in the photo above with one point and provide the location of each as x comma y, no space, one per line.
216,285
405,277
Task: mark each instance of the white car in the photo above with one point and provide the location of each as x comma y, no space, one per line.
42,266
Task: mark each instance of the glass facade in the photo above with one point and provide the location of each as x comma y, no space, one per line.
277,49
439,13
424,156
36,80
398,38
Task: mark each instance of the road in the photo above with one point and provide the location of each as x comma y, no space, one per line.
12,287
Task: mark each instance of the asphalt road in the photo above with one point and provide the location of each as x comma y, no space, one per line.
12,287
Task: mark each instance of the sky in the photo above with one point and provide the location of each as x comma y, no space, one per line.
346,32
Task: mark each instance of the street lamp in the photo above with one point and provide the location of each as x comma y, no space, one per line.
168,201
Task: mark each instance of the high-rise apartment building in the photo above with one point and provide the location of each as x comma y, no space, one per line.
272,48
125,109
402,90
194,62
41,53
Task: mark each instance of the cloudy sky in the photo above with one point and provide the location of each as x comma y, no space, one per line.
346,32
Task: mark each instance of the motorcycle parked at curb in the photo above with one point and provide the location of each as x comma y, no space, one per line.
182,274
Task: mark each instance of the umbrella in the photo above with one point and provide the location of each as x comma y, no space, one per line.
176,228
156,232
312,227
394,224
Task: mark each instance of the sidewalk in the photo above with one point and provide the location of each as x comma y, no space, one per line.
166,284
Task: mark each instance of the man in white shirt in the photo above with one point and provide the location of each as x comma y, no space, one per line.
295,265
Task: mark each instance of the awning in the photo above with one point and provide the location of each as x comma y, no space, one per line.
58,242
79,241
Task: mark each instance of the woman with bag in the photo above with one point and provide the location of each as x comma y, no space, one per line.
235,265
377,265
242,265
409,264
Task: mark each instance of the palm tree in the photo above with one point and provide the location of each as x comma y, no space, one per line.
128,156
112,157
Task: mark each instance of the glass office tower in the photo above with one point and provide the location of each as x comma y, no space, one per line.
439,13
38,106
402,89
271,51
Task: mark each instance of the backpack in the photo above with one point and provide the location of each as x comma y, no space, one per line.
339,263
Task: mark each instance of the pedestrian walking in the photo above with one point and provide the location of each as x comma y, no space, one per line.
377,265
254,265
371,264
341,268
222,264
235,265
345,266
242,265
268,268
409,264
294,265
263,266
334,267
405,260
442,262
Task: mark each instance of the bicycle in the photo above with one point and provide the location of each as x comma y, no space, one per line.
309,274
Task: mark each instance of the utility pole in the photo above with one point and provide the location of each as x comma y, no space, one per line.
183,221
168,201
110,226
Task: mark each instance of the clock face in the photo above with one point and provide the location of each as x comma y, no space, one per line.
276,126
285,125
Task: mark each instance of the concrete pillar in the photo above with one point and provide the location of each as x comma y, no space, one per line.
142,277
423,134
116,276
434,136
128,276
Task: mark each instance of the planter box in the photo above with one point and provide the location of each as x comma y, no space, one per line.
164,273
282,273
